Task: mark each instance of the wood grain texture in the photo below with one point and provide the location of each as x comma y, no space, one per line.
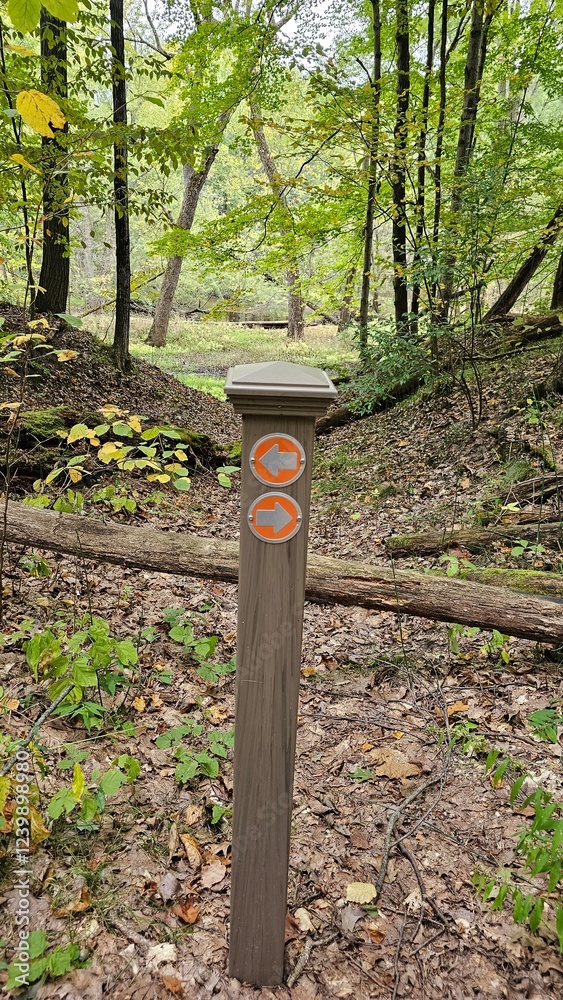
329,581
270,621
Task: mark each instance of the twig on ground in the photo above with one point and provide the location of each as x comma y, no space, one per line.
35,728
368,973
398,955
428,941
424,895
395,813
305,956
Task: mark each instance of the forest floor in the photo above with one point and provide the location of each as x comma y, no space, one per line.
388,705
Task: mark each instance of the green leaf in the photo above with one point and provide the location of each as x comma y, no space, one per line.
24,14
207,765
208,674
130,765
71,320
111,781
127,652
37,941
89,809
535,915
99,629
183,484
515,789
186,770
122,429
62,801
82,674
150,434
61,960
78,432
559,924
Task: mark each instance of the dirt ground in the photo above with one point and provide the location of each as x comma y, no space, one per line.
387,709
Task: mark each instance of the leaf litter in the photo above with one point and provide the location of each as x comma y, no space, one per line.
377,696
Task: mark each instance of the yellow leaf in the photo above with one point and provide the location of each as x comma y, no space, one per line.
398,735
10,704
110,411
78,432
135,424
10,406
153,478
360,892
5,783
21,50
78,783
21,160
109,451
75,475
156,701
40,112
139,704
66,355
181,455
39,831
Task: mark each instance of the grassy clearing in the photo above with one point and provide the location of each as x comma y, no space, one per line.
194,346
209,384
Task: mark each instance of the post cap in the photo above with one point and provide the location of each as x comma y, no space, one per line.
280,379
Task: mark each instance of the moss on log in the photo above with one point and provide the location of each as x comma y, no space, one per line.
473,539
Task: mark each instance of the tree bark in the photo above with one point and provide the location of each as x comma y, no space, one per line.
345,313
331,581
52,293
194,181
121,191
399,168
473,539
295,311
527,270
421,167
474,68
373,150
557,296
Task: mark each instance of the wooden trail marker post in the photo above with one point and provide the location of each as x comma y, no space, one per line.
279,403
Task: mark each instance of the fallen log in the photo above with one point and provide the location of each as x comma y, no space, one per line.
526,581
329,581
427,543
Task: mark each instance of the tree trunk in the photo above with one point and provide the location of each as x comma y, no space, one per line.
121,192
52,293
557,297
295,317
344,313
375,84
421,167
473,539
295,307
399,168
193,186
474,68
527,270
442,84
331,581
